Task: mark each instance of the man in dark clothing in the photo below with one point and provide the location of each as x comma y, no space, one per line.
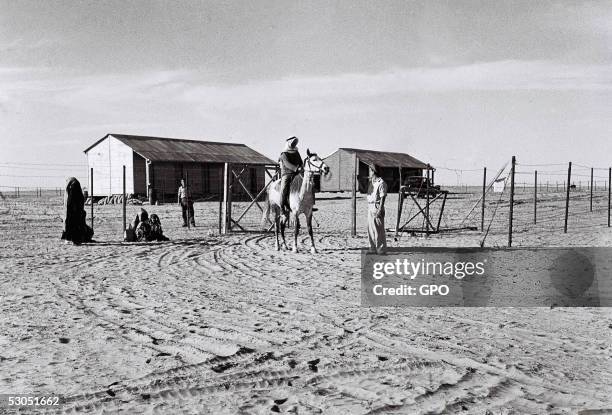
186,203
290,164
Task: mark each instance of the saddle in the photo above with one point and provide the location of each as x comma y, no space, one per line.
277,185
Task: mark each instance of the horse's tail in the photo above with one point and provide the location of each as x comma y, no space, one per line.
265,218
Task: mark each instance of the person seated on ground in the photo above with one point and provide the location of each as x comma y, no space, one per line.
75,227
149,229
157,234
130,231
143,229
136,221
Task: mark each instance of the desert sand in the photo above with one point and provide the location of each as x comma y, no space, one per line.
225,324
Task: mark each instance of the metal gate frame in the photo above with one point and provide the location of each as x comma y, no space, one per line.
232,174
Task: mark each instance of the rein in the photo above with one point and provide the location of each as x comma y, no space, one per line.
319,169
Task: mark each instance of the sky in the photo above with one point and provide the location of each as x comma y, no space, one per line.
459,84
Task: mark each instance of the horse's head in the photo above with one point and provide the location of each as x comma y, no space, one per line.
314,164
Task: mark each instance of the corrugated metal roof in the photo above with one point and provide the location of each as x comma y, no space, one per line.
176,149
386,158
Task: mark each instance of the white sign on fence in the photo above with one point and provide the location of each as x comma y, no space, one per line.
499,185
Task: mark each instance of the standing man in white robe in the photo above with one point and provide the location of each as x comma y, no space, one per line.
377,193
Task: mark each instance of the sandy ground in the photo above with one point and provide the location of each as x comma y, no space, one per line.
210,324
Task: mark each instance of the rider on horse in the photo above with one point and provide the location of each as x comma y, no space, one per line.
290,165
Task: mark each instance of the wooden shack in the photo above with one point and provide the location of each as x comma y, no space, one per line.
158,164
342,164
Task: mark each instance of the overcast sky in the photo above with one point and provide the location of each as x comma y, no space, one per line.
460,84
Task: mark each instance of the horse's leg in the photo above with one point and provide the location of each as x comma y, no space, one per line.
295,234
313,249
283,223
276,226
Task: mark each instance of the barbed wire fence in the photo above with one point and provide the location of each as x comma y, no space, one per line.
527,204
547,200
32,204
551,200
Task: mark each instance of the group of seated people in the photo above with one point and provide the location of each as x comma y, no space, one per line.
145,228
76,230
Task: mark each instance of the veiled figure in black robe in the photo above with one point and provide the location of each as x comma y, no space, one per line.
75,227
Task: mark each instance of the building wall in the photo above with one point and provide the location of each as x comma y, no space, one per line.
391,176
109,156
107,160
253,178
205,180
346,167
363,177
341,165
213,179
165,178
140,174
331,182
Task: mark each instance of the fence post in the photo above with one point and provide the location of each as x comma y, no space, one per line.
400,202
354,196
484,190
427,202
609,189
226,198
91,192
220,214
535,197
188,197
567,194
511,201
591,187
230,195
124,202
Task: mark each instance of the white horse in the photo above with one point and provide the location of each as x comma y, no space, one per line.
301,200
